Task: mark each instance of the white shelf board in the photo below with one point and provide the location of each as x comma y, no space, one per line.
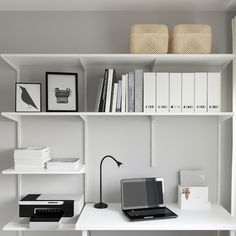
17,60
12,171
16,116
112,218
14,225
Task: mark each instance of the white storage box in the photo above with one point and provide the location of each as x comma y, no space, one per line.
193,198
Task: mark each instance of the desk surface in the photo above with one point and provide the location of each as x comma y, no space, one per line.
112,218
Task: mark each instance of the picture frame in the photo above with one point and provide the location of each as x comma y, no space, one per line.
61,92
28,97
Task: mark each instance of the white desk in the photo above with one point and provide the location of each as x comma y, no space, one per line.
112,218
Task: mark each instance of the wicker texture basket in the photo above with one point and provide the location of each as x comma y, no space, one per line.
149,38
191,39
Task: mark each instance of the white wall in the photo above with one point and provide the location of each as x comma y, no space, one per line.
125,138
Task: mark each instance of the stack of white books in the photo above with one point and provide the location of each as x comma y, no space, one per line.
31,158
64,164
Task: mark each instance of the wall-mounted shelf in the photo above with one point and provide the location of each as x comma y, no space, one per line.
17,115
12,171
17,60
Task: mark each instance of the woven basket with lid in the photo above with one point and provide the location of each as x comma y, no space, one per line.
149,38
191,39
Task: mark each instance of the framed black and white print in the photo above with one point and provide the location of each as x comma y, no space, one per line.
28,97
61,92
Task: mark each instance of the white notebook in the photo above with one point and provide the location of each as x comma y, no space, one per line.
201,92
149,81
187,92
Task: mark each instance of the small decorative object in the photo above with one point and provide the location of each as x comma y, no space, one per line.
149,38
61,91
119,164
28,97
186,192
191,39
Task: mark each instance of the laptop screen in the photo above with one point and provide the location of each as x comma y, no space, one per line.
142,193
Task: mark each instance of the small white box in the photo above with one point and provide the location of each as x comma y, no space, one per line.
175,92
193,198
187,92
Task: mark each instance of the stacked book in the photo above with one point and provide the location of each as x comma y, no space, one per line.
64,164
31,158
120,95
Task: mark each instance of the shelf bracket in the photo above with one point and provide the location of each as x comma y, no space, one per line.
15,118
154,64
152,121
13,65
84,65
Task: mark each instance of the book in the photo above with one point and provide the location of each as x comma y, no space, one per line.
162,92
138,74
119,96
214,92
201,92
109,90
175,92
187,92
126,92
123,94
104,92
114,97
131,92
31,152
99,95
149,82
63,164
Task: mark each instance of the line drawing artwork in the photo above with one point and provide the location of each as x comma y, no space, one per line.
26,98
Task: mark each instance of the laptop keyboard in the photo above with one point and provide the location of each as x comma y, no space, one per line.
149,212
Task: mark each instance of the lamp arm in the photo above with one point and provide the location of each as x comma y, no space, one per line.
101,173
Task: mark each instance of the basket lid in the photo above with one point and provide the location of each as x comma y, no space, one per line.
192,28
149,28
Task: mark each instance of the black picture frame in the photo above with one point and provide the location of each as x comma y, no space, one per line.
75,90
40,97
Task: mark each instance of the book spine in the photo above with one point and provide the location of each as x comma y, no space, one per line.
123,94
126,92
109,90
104,92
119,95
149,92
99,94
114,100
138,90
131,92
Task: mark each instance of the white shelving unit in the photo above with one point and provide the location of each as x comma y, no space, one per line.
220,61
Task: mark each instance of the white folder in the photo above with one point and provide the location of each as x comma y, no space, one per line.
201,92
149,92
214,92
187,92
123,93
162,92
175,92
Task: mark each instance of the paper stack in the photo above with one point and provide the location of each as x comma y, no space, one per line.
63,164
31,158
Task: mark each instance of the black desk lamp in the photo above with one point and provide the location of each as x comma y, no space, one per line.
119,164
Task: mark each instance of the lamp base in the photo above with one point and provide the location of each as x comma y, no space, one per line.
100,205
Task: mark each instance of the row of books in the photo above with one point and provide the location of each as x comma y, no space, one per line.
120,95
159,92
38,158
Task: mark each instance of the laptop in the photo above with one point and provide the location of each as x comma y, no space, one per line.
143,198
